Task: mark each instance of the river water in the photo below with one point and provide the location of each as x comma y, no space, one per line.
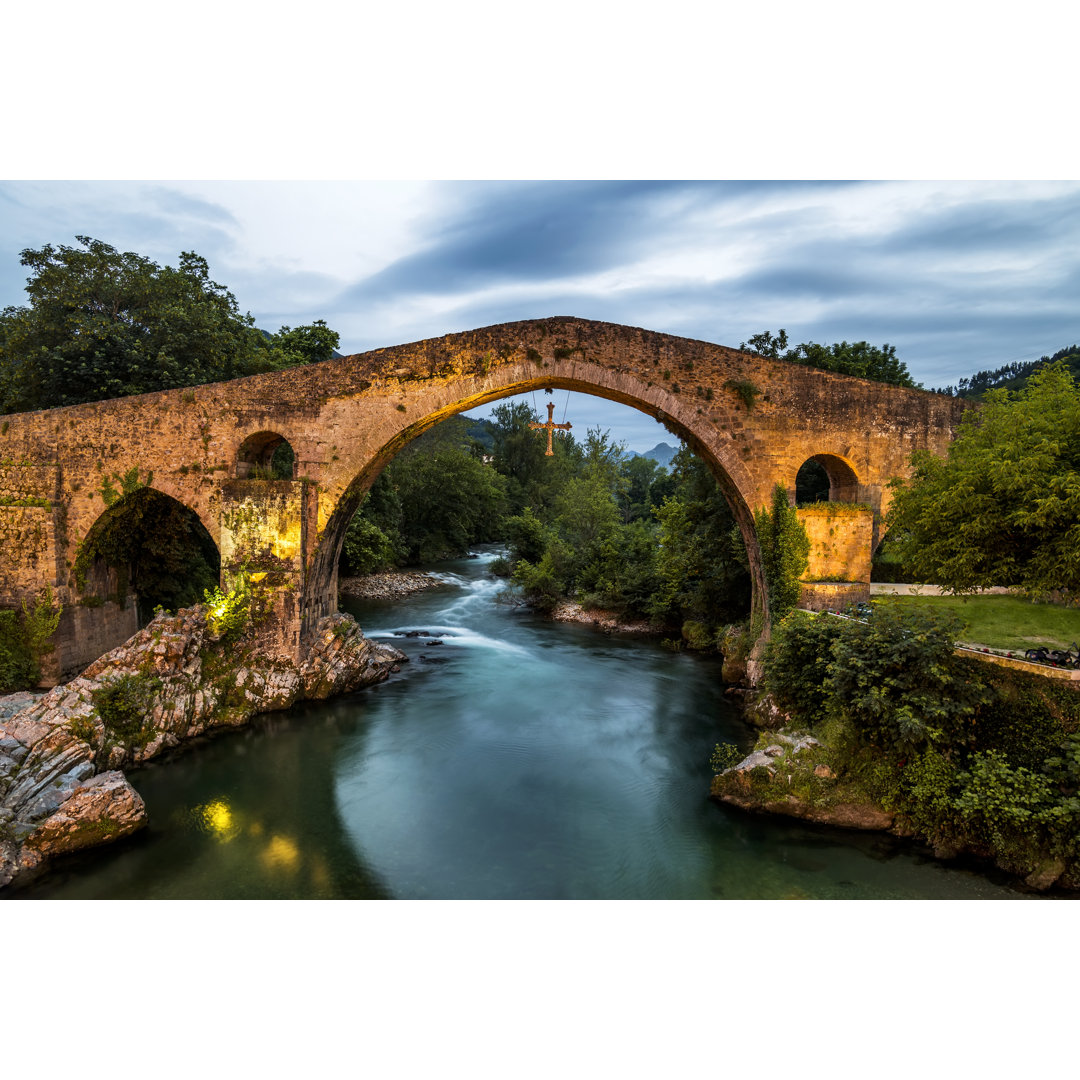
518,759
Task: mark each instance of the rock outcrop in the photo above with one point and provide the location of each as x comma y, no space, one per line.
788,777
60,754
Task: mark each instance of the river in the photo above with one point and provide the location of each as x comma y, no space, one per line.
512,758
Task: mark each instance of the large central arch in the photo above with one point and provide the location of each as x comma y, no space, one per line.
729,471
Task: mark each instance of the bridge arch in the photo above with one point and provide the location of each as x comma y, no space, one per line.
266,453
836,471
752,420
681,415
148,543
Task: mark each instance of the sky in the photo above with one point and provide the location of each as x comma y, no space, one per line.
959,276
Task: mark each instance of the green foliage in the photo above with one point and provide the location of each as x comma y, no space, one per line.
967,754
785,550
860,359
229,613
527,536
898,680
24,640
1004,805
1004,507
307,344
1012,376
433,501
797,659
746,391
104,324
725,755
124,705
17,669
700,559
367,549
129,483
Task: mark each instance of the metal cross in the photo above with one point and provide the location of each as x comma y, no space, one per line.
550,426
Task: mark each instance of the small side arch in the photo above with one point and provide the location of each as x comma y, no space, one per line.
266,455
826,478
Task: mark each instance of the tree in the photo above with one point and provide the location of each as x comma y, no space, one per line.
307,344
859,358
103,324
1004,507
699,565
784,552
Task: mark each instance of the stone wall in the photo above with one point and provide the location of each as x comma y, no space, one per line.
27,552
832,595
841,541
85,633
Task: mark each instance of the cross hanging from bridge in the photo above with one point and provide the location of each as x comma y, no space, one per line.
550,426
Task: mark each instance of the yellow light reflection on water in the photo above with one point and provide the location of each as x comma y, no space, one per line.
280,854
217,818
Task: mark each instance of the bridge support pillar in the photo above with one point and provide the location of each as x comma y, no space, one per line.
267,527
841,549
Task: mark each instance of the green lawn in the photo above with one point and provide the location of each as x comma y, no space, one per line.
1003,622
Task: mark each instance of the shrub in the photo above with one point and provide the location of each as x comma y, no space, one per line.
797,660
785,548
898,680
725,755
24,640
231,612
124,705
366,549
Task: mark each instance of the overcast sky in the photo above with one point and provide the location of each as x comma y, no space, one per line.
959,276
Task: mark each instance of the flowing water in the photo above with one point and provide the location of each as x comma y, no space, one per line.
511,758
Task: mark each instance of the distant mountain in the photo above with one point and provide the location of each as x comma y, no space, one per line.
661,453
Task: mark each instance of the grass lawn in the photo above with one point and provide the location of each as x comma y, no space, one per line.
1003,622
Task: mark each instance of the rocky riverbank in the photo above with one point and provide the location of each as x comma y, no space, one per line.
62,787
386,586
792,774
571,611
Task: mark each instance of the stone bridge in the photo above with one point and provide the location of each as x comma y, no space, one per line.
756,422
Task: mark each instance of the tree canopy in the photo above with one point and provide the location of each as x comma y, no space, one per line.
858,358
102,323
1004,507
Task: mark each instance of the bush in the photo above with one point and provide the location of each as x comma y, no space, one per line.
785,550
897,678
124,705
24,640
797,660
230,612
367,549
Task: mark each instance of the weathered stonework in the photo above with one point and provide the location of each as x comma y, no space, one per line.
841,542
346,419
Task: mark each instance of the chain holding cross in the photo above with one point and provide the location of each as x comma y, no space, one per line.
550,427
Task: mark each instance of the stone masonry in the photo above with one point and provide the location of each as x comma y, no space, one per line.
754,421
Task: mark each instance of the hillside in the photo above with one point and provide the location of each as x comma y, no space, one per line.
1011,376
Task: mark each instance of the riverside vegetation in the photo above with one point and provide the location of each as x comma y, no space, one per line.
970,757
967,756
